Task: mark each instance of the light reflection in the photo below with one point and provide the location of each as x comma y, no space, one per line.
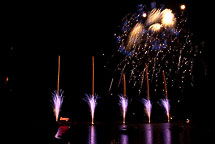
123,139
148,134
61,131
166,133
92,135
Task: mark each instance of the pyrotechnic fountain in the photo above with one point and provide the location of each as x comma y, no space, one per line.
57,96
123,102
91,99
147,102
165,102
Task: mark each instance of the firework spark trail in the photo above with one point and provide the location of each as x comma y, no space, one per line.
165,102
57,101
91,101
123,102
148,107
160,40
166,106
110,85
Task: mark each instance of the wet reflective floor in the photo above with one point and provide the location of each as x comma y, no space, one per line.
155,133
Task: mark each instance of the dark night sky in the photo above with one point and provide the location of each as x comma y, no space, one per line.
38,32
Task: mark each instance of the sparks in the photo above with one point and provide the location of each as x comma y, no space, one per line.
135,36
57,101
161,40
91,100
168,18
155,27
148,107
123,102
154,16
166,106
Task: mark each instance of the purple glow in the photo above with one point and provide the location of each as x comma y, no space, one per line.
167,133
57,135
91,100
92,135
57,103
166,105
149,134
148,107
124,139
123,102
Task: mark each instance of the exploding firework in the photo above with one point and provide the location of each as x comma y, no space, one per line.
57,100
166,106
91,100
158,38
148,107
123,102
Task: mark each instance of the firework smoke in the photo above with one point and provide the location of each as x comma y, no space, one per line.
57,101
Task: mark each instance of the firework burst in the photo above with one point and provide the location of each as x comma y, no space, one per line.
158,38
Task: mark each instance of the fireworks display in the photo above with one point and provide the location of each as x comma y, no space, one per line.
57,96
123,102
91,100
147,102
57,101
158,38
165,102
148,107
166,106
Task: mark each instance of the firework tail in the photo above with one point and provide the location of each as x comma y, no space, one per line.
165,86
124,95
166,94
124,86
58,77
92,86
149,103
147,79
57,99
92,76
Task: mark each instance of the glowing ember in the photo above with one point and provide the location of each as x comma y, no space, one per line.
182,7
57,101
